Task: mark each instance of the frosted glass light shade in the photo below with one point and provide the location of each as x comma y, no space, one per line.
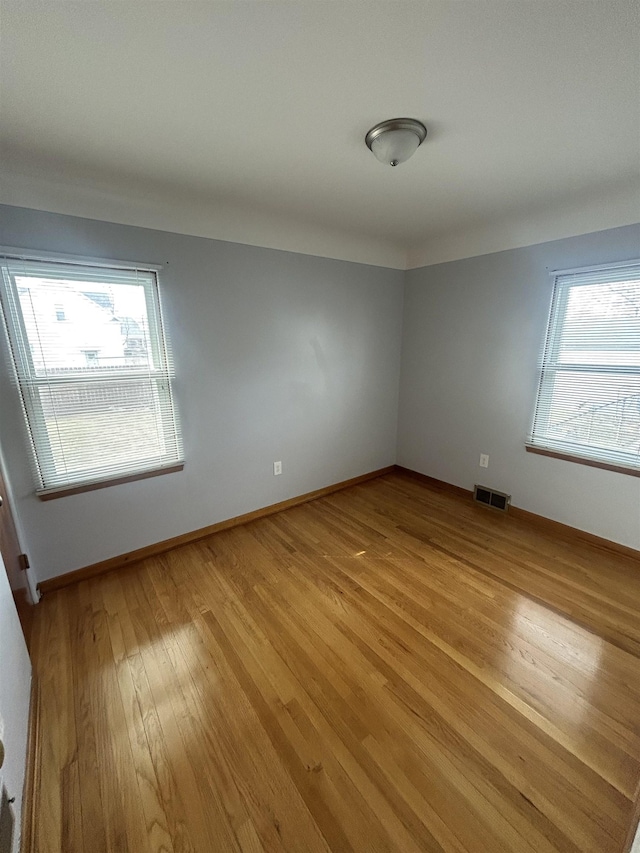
395,146
396,140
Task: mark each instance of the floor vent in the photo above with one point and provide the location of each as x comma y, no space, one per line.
491,498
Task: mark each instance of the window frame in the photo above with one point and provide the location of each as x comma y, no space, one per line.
25,375
538,440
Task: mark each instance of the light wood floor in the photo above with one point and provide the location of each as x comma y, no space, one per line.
388,668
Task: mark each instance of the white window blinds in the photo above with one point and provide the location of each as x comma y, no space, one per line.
589,394
92,368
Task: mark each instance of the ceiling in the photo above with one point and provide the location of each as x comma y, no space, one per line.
236,119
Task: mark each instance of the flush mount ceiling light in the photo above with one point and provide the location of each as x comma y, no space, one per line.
395,140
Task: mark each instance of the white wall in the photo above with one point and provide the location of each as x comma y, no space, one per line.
472,338
15,687
278,356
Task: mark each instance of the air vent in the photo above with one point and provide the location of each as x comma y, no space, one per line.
491,498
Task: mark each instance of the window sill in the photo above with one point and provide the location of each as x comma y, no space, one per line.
594,463
64,491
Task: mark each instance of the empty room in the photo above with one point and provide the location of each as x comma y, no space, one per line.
319,426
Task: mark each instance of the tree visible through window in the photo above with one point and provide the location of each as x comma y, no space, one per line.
96,388
588,402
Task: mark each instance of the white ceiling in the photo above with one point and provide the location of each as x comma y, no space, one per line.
246,120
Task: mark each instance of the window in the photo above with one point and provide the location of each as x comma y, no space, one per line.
91,356
95,389
588,404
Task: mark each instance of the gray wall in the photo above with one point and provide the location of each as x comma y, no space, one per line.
472,339
277,356
292,357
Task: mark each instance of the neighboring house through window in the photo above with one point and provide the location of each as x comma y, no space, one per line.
96,389
91,357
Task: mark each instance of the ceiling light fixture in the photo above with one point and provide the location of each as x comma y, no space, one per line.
395,140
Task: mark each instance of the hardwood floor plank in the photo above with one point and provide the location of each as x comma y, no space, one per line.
388,668
448,706
343,729
250,751
555,713
325,632
172,689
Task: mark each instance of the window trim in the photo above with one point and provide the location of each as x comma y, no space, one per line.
91,485
612,265
582,460
21,253
552,340
157,339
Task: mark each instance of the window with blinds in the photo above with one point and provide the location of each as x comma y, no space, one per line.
93,371
588,403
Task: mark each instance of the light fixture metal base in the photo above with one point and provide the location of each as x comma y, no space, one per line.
396,124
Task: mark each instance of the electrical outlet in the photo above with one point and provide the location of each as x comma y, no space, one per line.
484,460
277,468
